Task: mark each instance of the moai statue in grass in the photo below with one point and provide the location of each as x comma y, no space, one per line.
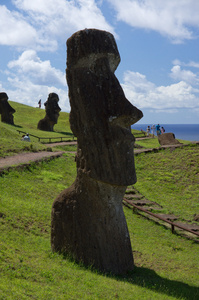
88,222
167,139
6,109
52,113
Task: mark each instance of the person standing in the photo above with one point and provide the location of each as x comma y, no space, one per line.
158,129
153,130
162,130
148,130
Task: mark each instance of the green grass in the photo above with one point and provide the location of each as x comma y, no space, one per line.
166,264
171,179
148,143
26,119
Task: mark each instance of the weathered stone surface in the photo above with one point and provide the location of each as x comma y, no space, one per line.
167,139
52,113
6,109
87,219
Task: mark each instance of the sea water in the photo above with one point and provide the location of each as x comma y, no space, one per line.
188,132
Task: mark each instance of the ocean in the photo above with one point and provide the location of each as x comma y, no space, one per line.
188,132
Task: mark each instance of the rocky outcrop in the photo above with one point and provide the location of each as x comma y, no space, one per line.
52,113
88,222
6,109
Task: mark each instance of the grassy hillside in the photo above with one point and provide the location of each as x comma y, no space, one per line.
26,119
171,178
166,264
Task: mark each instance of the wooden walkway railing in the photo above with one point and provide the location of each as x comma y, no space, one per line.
173,225
60,138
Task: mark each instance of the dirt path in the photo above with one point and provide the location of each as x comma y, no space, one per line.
25,158
61,144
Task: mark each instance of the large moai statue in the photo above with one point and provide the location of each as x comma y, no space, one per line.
6,109
88,222
52,113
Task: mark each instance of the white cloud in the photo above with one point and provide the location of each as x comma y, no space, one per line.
186,75
29,93
171,18
40,24
15,30
144,94
30,79
40,72
192,64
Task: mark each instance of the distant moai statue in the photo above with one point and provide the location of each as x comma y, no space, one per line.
6,109
88,221
167,139
52,113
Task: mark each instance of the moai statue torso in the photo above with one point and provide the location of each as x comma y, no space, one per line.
87,219
52,113
6,110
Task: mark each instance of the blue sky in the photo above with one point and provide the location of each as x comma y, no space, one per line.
158,42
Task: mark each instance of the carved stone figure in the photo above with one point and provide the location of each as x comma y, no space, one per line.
52,113
87,218
167,139
6,109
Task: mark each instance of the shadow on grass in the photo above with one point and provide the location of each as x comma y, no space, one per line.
149,279
66,133
17,126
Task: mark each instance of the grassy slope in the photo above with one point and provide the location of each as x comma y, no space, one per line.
171,179
166,264
26,119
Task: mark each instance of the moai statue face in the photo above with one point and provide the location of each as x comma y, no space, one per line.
6,110
100,113
52,107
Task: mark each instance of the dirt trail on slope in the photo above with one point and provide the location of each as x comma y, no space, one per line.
25,158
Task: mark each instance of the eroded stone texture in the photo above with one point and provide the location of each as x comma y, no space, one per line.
52,113
6,109
167,139
87,219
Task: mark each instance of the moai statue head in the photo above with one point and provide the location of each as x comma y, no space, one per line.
6,110
52,113
100,113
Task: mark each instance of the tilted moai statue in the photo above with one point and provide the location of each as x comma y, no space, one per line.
6,109
87,218
52,113
167,139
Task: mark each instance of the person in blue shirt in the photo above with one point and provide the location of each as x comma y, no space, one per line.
158,129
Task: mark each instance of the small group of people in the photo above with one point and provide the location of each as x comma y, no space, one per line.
159,130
